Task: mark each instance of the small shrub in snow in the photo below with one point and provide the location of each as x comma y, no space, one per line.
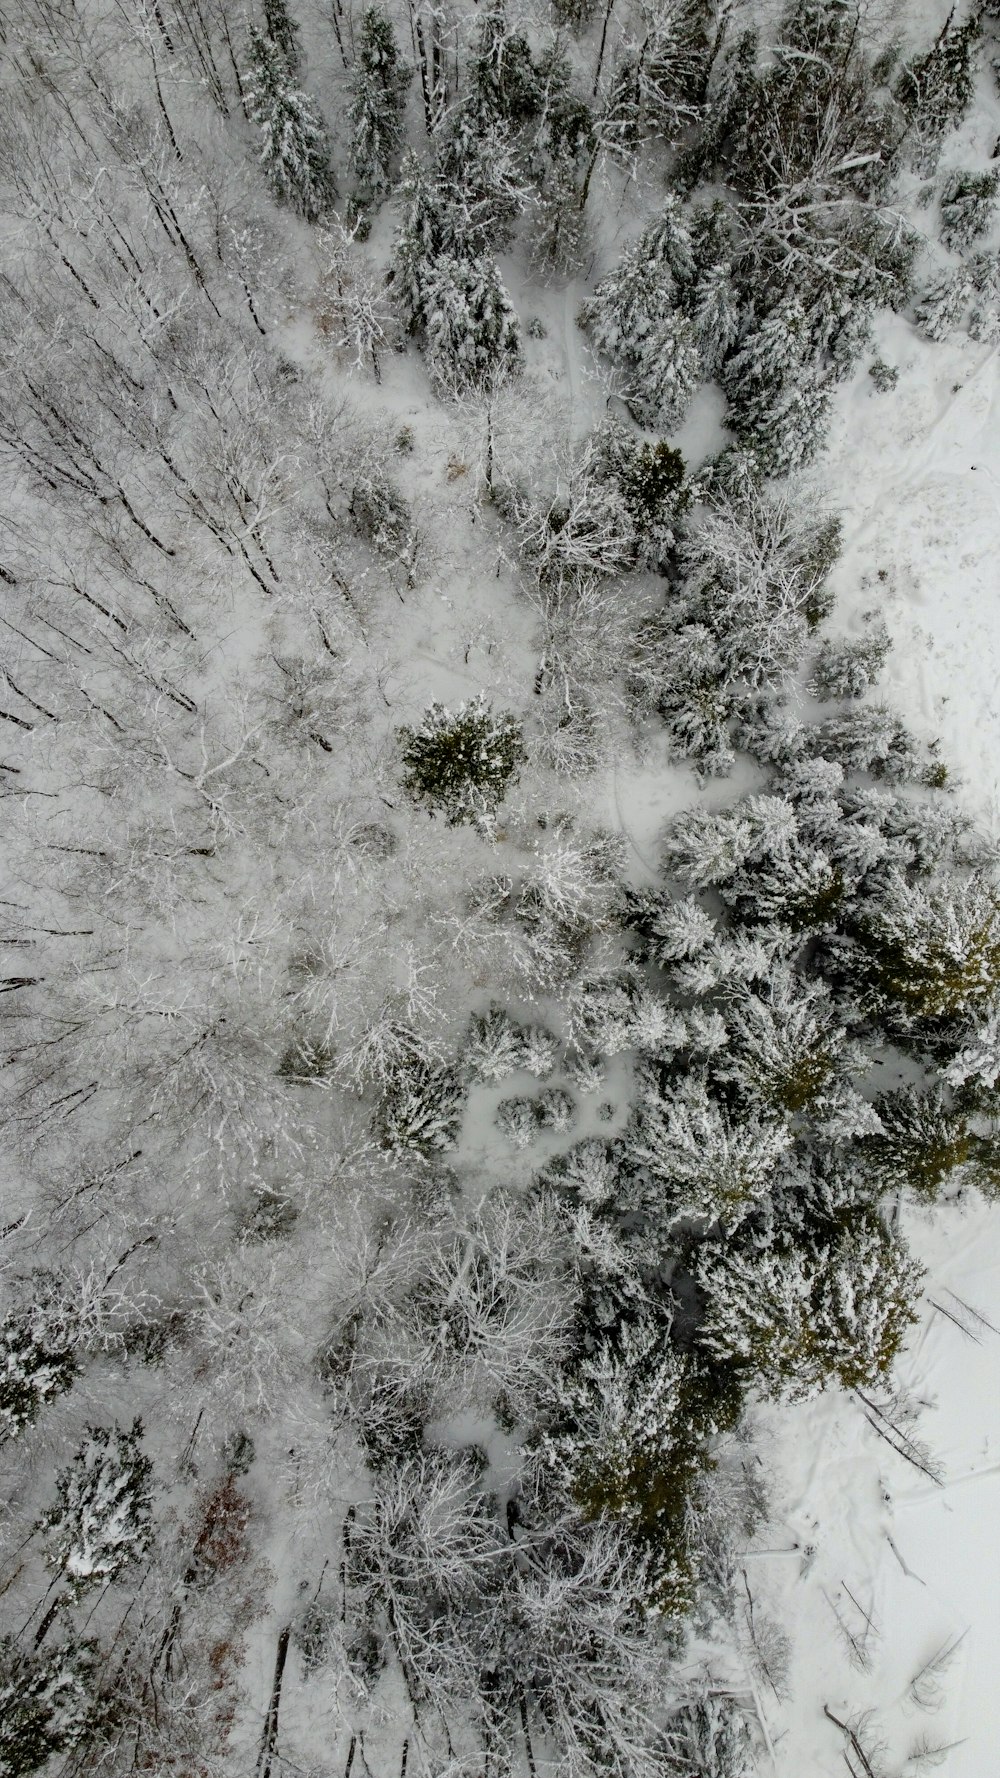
462,761
884,376
848,669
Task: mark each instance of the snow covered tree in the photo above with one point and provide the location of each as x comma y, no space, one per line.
472,332
934,90
101,1520
923,1140
379,81
557,221
572,1647
461,761
709,1738
635,318
872,739
420,1552
295,149
45,1705
283,32
700,1163
37,1362
785,1043
779,398
421,1108
652,481
479,181
849,668
506,81
798,1309
930,955
968,206
518,1121
493,1047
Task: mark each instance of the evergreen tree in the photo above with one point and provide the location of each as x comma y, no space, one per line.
101,1519
480,182
459,207
968,206
421,1109
378,92
472,331
461,762
505,79
700,1163
283,32
494,1046
930,955
779,399
557,219
635,318
295,150
872,739
709,1738
847,669
934,90
798,1308
37,1362
45,1706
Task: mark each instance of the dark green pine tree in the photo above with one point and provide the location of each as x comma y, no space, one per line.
473,334
36,1363
295,149
45,1706
504,76
934,90
283,32
101,1519
378,94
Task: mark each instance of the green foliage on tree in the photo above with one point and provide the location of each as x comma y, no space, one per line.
379,81
930,955
283,32
795,1308
460,763
37,1362
295,149
45,1705
101,1520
